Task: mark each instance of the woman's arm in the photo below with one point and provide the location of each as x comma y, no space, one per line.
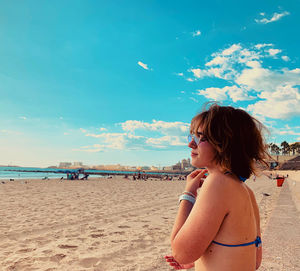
185,207
196,226
193,182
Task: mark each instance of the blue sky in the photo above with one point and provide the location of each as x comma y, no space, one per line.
107,82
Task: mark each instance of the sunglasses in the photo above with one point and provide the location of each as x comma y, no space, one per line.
196,139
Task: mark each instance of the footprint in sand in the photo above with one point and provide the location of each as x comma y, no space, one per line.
67,246
123,227
97,235
57,257
117,232
88,262
47,251
24,250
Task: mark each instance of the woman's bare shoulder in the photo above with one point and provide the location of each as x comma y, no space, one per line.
251,193
220,185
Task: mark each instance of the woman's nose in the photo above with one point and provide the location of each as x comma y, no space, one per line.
192,144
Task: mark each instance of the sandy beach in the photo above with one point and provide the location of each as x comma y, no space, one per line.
100,224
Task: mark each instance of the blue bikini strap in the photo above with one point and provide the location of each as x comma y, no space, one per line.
257,243
243,179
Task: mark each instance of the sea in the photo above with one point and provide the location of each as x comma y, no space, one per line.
40,173
7,173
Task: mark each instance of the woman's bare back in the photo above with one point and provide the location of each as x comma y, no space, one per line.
239,226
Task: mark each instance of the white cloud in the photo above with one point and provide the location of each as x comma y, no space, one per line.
211,72
231,50
198,73
244,69
155,135
115,141
262,45
83,130
255,78
285,58
102,129
218,60
143,65
297,70
238,94
190,79
196,33
282,103
23,118
253,64
216,94
261,79
276,16
166,141
274,52
288,132
221,94
175,128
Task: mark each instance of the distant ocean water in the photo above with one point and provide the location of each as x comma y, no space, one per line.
30,173
25,173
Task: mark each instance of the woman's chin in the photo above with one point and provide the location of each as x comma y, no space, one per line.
196,164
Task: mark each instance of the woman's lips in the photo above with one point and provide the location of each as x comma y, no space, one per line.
193,154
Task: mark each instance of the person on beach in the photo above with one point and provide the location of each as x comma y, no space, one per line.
218,226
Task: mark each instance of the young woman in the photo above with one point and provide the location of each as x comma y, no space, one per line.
218,227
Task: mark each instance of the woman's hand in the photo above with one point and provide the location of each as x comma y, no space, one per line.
195,180
172,262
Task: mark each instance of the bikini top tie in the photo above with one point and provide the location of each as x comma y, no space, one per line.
243,179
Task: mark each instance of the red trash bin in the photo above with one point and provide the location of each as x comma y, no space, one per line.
280,182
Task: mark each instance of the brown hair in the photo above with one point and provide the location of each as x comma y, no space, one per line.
235,136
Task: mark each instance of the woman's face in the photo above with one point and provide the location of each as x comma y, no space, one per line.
202,154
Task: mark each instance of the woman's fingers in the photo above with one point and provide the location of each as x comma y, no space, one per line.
173,262
198,172
195,173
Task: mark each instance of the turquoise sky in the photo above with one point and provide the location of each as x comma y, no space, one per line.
117,82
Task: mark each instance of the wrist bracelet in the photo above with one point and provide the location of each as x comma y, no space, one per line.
187,197
189,193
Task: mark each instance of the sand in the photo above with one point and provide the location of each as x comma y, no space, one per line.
99,224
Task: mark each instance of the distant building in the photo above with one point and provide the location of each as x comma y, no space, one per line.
65,164
77,164
113,167
185,163
154,168
177,166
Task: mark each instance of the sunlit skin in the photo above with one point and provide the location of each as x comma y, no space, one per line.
203,153
225,211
